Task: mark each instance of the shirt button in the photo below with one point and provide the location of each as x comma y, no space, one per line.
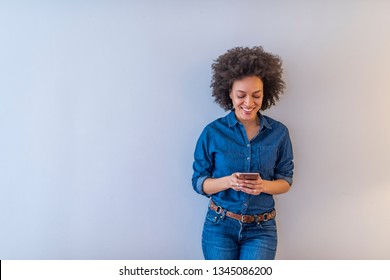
248,145
248,158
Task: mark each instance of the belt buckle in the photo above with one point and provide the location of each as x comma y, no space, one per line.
266,217
218,210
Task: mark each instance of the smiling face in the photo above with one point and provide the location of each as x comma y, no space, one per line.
247,96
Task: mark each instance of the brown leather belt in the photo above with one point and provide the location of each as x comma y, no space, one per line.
243,218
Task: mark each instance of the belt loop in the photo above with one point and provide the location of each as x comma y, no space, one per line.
257,219
220,211
222,214
211,203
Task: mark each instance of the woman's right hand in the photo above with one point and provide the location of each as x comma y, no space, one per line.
234,182
215,185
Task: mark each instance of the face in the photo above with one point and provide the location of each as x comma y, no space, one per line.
247,96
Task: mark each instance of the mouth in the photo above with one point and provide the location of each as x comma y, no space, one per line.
248,110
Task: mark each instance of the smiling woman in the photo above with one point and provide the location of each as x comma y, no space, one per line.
240,222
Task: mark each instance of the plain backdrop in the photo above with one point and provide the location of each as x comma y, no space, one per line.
102,102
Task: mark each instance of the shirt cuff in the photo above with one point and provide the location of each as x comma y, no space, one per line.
288,179
199,185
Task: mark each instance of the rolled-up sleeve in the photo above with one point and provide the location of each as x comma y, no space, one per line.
285,165
203,164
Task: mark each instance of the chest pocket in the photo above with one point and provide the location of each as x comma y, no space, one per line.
268,158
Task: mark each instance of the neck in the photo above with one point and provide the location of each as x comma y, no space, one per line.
250,123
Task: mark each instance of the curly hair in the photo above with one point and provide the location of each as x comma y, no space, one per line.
240,62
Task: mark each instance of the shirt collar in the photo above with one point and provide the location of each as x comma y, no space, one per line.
232,120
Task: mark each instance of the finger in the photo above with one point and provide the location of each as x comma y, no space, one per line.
235,186
251,182
246,189
251,191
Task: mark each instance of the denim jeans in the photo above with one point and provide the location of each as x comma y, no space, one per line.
224,238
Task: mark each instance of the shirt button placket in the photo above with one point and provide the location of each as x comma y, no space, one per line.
248,158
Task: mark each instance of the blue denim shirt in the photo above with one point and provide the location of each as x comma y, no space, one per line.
223,148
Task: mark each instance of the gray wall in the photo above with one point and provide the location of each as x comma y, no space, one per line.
101,103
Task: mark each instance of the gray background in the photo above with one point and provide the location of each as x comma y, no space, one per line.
101,103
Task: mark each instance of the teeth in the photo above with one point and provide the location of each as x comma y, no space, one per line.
247,110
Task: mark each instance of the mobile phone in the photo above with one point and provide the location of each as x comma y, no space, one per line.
248,176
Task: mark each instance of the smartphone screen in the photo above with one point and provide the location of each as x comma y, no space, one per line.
248,176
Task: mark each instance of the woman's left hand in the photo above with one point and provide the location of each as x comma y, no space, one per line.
253,187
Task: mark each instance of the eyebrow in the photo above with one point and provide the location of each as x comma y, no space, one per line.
243,91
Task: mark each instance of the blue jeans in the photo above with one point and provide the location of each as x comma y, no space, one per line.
224,238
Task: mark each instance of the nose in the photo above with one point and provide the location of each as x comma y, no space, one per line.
248,100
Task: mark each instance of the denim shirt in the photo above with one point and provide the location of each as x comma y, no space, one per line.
223,148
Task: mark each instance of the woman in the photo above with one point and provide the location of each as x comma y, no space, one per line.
240,222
